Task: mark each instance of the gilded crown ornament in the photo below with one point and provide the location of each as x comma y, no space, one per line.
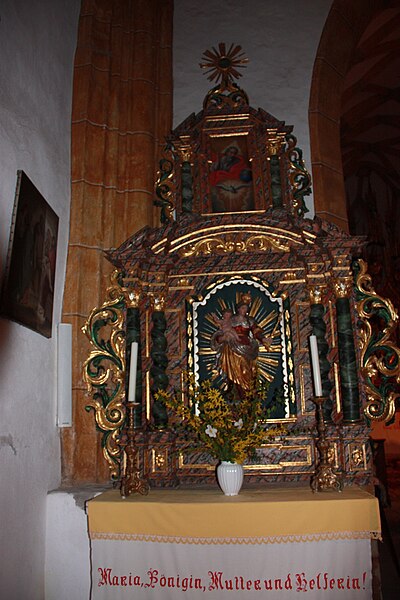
245,299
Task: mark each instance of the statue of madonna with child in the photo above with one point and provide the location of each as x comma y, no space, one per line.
236,342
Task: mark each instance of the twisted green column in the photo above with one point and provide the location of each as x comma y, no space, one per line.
347,358
319,330
276,187
159,358
187,187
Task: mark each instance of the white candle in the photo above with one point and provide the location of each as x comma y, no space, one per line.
132,372
315,366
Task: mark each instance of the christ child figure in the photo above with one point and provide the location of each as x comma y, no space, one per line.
229,334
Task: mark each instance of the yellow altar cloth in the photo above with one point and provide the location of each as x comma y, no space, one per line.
254,516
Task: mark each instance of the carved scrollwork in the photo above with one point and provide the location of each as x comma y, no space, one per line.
234,243
300,178
380,357
104,371
222,97
164,186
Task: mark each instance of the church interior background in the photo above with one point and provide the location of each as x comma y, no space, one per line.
90,93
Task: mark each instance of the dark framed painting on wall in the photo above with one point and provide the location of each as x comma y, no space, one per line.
28,287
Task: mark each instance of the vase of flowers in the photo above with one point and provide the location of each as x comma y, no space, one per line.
226,425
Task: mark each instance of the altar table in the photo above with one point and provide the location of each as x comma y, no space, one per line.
274,543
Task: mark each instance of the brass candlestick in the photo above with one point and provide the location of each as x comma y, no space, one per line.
132,482
324,478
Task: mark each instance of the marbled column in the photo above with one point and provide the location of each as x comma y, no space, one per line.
121,112
347,362
187,187
317,321
159,359
276,186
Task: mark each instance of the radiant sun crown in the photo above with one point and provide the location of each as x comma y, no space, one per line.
221,65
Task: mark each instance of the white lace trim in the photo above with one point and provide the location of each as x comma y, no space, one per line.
281,539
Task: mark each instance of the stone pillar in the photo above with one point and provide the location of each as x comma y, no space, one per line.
346,22
122,109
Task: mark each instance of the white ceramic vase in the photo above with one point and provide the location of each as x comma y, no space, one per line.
230,477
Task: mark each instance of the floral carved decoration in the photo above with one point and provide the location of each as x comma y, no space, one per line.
104,371
380,357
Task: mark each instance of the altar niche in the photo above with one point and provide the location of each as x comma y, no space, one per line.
229,312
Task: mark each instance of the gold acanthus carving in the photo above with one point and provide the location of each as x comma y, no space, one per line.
104,370
165,186
331,456
185,155
342,287
157,301
380,356
159,460
184,282
133,296
316,295
357,457
234,243
184,149
274,145
236,231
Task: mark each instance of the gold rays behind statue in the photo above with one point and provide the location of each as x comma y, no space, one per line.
221,65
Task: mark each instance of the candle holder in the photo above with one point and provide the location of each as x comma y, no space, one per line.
324,478
132,482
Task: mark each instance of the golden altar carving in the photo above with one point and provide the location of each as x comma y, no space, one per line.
231,189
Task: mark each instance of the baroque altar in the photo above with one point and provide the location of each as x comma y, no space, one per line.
234,231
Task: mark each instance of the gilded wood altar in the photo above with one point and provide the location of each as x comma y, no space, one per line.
226,233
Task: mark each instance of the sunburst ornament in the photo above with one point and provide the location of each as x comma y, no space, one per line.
221,65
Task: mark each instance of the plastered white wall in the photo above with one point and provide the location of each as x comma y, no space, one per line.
280,38
67,545
37,45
